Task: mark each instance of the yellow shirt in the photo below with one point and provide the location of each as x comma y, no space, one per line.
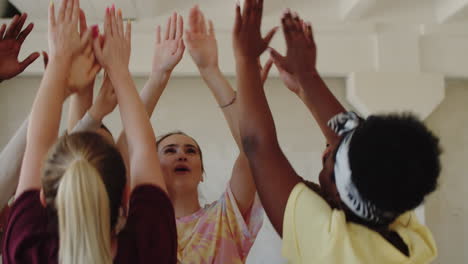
315,233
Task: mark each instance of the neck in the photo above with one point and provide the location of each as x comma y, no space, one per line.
185,203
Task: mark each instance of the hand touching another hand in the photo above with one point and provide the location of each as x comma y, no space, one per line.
286,74
10,46
84,67
114,53
301,55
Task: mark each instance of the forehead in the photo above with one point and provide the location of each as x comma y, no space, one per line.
177,140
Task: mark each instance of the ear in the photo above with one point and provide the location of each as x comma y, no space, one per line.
42,198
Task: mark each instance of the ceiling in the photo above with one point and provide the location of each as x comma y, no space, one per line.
320,12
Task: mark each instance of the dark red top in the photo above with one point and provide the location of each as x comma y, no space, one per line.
150,235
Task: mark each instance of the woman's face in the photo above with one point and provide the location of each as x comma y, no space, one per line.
181,163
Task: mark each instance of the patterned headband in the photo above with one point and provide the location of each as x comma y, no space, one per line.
345,124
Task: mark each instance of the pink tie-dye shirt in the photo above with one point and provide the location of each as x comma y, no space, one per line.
218,233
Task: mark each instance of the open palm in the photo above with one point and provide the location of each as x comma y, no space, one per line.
10,46
201,42
169,49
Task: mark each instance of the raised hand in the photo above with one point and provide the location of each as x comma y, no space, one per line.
201,40
286,74
105,102
301,56
84,70
84,67
248,40
114,53
169,48
10,46
64,40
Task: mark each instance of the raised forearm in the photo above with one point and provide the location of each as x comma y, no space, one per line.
153,90
79,104
321,103
133,112
11,158
150,95
255,119
43,123
224,95
46,111
143,163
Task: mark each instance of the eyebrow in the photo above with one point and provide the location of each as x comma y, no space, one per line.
177,145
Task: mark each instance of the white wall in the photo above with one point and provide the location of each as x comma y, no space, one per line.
447,209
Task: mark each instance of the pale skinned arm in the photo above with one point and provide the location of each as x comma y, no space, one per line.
168,51
202,46
65,44
143,159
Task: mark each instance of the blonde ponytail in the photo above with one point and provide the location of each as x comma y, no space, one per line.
83,211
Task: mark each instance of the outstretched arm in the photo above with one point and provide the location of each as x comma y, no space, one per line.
65,44
143,159
84,77
202,46
10,163
273,174
168,51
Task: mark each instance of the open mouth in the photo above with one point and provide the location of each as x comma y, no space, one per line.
181,169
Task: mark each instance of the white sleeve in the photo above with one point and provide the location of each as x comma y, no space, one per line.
11,159
87,123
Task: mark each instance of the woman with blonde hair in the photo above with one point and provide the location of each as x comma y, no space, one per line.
68,215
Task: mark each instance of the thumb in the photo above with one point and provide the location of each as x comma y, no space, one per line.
278,60
266,70
85,40
270,36
98,50
45,57
30,59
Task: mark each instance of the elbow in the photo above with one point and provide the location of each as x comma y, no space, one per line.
250,145
256,145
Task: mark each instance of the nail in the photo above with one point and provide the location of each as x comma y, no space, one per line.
107,10
119,12
51,2
113,7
